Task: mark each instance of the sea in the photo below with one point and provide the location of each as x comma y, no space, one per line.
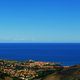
63,53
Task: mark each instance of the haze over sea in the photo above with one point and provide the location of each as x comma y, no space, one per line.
65,53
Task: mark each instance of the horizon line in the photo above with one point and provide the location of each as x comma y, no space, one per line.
43,42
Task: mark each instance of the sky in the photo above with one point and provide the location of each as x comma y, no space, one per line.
30,21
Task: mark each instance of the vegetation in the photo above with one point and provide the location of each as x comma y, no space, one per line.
72,73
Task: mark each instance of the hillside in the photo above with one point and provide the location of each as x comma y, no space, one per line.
72,73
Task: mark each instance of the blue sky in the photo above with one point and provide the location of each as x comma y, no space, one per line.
40,21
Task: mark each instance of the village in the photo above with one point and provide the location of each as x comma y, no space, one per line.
28,70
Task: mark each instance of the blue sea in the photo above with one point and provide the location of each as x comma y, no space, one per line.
64,53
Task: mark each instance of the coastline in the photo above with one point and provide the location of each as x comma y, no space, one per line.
36,70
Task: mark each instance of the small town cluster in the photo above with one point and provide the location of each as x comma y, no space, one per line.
28,70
